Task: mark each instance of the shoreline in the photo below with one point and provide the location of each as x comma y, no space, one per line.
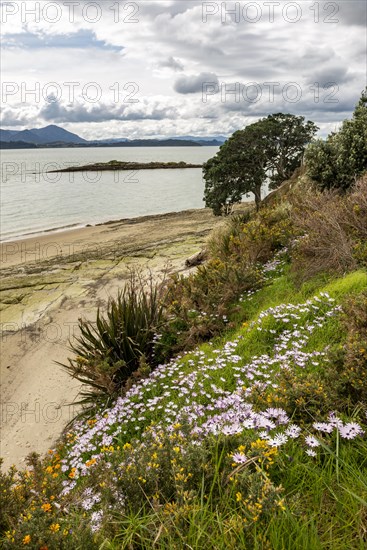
88,240
78,225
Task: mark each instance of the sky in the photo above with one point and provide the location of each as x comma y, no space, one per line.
163,68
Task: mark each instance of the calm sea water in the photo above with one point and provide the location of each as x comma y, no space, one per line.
33,201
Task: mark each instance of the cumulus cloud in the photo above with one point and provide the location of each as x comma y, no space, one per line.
171,63
170,37
81,39
331,74
77,113
192,84
353,12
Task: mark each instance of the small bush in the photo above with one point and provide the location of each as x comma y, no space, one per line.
11,502
31,517
198,306
267,232
304,396
220,241
340,160
177,478
333,231
254,237
119,344
349,361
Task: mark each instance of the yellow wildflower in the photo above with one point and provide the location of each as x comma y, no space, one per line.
46,507
10,535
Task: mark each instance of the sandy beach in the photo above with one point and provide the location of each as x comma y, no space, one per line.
50,281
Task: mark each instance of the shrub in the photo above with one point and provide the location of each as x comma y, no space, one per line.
254,237
177,478
11,502
267,232
304,396
31,517
333,231
342,158
325,246
120,343
198,306
220,241
349,362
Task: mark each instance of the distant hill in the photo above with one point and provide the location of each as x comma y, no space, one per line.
205,140
154,143
41,136
53,133
210,140
134,143
54,136
17,145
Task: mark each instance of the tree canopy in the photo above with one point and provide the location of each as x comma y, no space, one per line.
270,148
340,159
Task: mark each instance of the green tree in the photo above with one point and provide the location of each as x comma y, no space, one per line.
238,168
341,159
287,138
270,148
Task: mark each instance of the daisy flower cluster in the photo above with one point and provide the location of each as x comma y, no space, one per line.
210,391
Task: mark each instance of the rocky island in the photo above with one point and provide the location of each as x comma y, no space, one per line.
122,165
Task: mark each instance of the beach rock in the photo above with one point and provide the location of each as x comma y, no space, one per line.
196,259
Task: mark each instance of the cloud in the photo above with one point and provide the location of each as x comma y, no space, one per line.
77,113
192,84
12,117
172,37
171,63
331,74
353,12
81,39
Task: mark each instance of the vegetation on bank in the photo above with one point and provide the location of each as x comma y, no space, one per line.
244,425
342,158
120,165
271,149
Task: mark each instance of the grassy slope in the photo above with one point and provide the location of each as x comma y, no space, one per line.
325,497
323,507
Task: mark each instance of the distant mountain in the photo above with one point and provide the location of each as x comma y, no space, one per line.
5,135
41,136
199,139
17,145
53,133
54,136
149,143
212,140
112,140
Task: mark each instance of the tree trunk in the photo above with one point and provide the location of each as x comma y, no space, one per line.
257,193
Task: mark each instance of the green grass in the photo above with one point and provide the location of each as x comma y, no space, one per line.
325,498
